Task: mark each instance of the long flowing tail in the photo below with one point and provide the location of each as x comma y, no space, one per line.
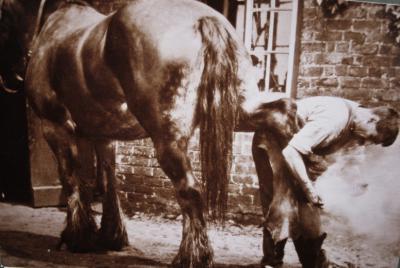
218,104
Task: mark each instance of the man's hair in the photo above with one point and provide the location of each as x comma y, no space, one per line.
388,125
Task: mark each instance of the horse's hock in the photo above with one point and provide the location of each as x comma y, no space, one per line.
145,188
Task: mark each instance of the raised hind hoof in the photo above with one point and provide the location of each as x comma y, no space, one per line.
112,241
195,250
84,240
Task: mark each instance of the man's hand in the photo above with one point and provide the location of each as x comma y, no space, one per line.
295,162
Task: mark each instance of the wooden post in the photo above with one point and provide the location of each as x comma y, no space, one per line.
45,182
248,23
293,66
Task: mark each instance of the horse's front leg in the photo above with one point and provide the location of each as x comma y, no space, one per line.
80,233
195,250
112,231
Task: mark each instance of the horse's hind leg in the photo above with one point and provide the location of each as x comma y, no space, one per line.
195,250
273,245
80,232
112,231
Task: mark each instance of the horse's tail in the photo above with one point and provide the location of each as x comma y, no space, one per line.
218,103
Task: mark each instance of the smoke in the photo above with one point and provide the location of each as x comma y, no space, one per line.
362,188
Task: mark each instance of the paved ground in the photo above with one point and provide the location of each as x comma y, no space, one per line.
28,237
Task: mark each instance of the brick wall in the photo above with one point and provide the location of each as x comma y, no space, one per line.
144,186
349,56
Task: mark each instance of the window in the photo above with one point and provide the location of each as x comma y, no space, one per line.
270,32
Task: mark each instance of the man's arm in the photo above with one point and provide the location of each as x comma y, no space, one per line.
296,164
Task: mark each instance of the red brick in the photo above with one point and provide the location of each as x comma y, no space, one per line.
375,36
144,189
366,25
358,71
144,151
307,36
307,58
153,182
330,46
329,70
244,179
251,191
366,49
375,60
124,149
313,47
328,36
342,47
147,171
328,82
356,12
234,188
374,83
301,83
396,61
341,70
139,161
312,71
124,169
337,24
347,60
243,159
158,172
350,82
240,200
391,95
166,193
153,162
358,38
310,13
385,49
395,83
375,71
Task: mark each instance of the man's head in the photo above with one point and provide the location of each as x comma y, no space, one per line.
379,125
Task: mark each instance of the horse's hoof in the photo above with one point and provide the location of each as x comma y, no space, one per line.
112,241
204,260
79,241
267,262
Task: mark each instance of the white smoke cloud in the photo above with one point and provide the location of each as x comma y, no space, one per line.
364,189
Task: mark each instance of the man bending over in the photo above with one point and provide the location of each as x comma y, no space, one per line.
286,169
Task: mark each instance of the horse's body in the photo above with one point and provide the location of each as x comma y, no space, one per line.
155,68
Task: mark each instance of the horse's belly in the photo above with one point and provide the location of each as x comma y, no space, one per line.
107,122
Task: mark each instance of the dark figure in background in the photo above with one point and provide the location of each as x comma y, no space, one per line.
286,165
14,165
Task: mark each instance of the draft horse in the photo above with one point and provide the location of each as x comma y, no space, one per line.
154,68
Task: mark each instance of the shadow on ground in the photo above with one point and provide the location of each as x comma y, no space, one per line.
42,248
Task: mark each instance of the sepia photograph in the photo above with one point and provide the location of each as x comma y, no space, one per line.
200,133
